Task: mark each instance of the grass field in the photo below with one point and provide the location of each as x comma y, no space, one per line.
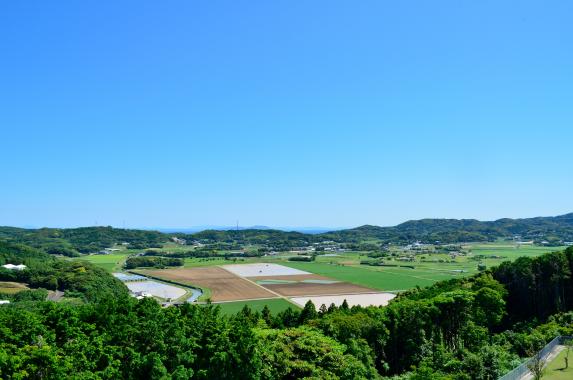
192,263
12,287
556,369
276,305
112,262
373,277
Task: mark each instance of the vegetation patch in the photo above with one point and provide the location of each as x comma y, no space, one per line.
275,305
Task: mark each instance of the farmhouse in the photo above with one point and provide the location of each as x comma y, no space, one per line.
4,302
14,267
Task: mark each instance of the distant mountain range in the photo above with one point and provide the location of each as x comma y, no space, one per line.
557,230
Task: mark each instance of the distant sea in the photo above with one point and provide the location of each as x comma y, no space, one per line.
189,230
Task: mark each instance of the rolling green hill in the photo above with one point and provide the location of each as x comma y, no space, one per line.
550,229
72,241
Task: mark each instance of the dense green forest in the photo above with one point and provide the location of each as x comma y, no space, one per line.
73,241
471,328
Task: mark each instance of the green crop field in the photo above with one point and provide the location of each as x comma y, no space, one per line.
373,277
276,305
112,262
205,262
510,251
346,266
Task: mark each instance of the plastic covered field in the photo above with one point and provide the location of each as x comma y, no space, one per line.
128,277
262,270
156,289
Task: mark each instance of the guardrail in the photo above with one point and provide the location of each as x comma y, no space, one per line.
518,372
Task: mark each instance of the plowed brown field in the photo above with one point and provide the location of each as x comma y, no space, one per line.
224,285
309,289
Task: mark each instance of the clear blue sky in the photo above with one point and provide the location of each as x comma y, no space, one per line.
318,113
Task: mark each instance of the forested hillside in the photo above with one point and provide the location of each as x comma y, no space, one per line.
72,241
472,328
551,229
79,280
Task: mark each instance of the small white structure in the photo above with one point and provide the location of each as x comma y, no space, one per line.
141,295
4,302
261,270
14,267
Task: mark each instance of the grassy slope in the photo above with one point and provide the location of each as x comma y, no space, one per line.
555,370
112,262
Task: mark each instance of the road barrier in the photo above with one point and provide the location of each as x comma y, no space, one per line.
518,372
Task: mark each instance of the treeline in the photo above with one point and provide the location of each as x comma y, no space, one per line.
202,253
302,258
153,261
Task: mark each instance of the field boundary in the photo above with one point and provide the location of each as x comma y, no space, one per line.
262,287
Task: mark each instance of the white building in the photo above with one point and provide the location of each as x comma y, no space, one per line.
14,267
4,302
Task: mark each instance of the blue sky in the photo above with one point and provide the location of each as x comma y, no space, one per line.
282,113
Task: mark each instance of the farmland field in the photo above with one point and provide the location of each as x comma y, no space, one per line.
390,279
311,289
112,262
262,270
331,274
276,305
224,286
156,289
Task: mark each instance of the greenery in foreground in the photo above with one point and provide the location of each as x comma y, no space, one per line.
471,328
